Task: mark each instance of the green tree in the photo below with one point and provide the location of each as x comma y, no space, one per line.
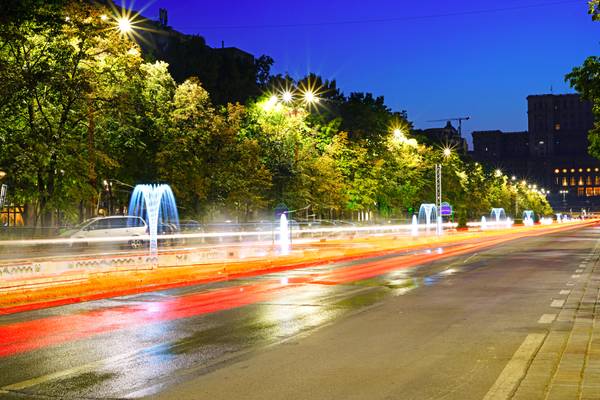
56,61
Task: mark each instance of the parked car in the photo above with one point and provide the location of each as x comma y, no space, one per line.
168,229
189,225
115,226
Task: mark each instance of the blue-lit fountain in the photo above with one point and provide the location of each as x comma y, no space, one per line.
498,216
156,205
414,229
284,235
427,214
528,216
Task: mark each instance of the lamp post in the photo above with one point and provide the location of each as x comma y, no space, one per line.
447,152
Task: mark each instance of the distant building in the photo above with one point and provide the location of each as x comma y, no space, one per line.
227,73
448,136
508,151
553,153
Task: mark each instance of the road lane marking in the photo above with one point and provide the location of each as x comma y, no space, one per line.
583,265
516,368
575,276
564,292
67,372
557,303
578,271
547,318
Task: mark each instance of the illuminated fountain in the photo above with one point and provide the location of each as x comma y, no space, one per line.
427,214
155,204
284,235
498,215
528,218
414,228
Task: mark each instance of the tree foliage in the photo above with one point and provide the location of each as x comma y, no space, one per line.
81,109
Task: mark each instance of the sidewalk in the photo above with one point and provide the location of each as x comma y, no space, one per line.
567,362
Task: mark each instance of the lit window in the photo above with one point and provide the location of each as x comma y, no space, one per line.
597,180
580,192
589,191
580,182
588,181
557,127
564,181
572,181
597,191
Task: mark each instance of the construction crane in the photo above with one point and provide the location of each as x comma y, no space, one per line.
459,119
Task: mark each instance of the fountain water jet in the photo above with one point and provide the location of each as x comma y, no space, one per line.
155,204
427,214
414,230
498,215
284,235
528,218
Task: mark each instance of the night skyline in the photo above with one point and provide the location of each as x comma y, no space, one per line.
501,53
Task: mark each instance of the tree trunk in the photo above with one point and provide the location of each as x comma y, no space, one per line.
91,128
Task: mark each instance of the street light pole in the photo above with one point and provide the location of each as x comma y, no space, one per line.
438,196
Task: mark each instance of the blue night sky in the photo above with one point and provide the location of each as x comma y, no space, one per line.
425,61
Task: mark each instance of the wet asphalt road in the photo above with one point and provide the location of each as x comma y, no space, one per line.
444,330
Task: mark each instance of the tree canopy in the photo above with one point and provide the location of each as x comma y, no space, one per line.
86,114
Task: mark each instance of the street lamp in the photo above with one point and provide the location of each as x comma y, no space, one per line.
564,193
498,173
287,96
447,152
310,97
124,25
398,134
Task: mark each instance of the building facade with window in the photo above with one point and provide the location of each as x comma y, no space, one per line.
553,152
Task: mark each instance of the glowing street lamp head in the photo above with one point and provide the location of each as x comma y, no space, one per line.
270,104
287,96
310,98
447,152
498,173
513,178
124,25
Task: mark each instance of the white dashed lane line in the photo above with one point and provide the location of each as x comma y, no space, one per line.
547,318
557,303
563,292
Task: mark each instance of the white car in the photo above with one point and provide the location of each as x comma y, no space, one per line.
116,226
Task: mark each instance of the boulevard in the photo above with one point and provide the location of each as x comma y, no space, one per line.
303,200
441,329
